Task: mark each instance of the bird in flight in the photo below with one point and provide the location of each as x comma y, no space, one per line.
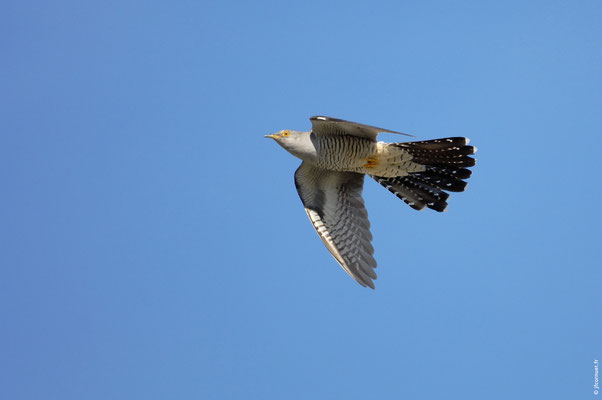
337,154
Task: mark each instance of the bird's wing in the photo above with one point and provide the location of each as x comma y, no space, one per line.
332,126
333,201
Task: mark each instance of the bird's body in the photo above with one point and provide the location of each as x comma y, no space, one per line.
354,154
337,154
365,157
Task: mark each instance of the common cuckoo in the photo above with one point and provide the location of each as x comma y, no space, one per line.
337,154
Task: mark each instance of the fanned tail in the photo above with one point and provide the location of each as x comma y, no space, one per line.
445,160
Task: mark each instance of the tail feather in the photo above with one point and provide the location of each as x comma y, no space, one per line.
441,178
448,152
445,144
415,192
444,160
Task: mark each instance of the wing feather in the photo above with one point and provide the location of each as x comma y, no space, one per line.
334,204
333,126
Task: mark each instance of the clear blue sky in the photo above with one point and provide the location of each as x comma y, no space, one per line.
153,245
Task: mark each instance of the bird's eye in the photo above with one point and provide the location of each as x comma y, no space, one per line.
286,133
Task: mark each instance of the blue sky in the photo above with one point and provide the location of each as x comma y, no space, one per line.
154,246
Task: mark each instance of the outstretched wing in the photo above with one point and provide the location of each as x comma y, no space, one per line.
332,126
333,201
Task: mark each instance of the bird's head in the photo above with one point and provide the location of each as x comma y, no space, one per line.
287,138
295,142
285,135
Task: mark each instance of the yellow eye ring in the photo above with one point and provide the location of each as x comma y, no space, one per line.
286,133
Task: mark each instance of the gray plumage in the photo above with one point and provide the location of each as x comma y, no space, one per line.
336,156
